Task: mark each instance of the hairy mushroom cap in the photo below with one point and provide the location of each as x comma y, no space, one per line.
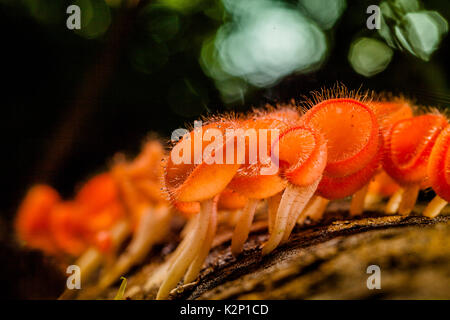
439,165
251,180
351,131
334,188
191,182
409,145
390,112
302,155
284,113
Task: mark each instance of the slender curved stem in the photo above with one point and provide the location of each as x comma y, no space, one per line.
296,198
190,250
243,226
273,203
152,228
304,196
197,264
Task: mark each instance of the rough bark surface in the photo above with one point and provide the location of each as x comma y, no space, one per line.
322,261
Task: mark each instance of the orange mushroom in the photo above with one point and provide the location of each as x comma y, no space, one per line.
66,228
303,156
439,173
96,219
33,218
139,187
255,180
388,113
353,138
407,151
198,171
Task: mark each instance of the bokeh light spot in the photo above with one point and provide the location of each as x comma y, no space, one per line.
324,12
264,42
95,18
421,32
369,56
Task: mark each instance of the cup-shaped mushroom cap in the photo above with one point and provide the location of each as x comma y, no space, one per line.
127,190
409,145
98,192
286,114
302,155
231,200
439,165
259,177
351,131
333,188
147,164
255,186
99,204
147,171
188,179
140,181
102,219
67,229
390,112
33,218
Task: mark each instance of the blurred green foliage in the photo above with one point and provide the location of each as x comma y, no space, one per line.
369,56
246,45
406,25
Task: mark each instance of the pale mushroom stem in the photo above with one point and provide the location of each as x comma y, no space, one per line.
197,264
160,274
190,250
298,207
243,226
314,209
394,202
234,217
372,199
92,258
296,198
152,228
273,203
90,261
187,228
435,207
357,204
409,199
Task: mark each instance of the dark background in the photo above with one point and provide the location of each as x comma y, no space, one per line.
69,103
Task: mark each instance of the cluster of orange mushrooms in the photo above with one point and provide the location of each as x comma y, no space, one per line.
342,145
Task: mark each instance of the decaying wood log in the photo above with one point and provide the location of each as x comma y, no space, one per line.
322,261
